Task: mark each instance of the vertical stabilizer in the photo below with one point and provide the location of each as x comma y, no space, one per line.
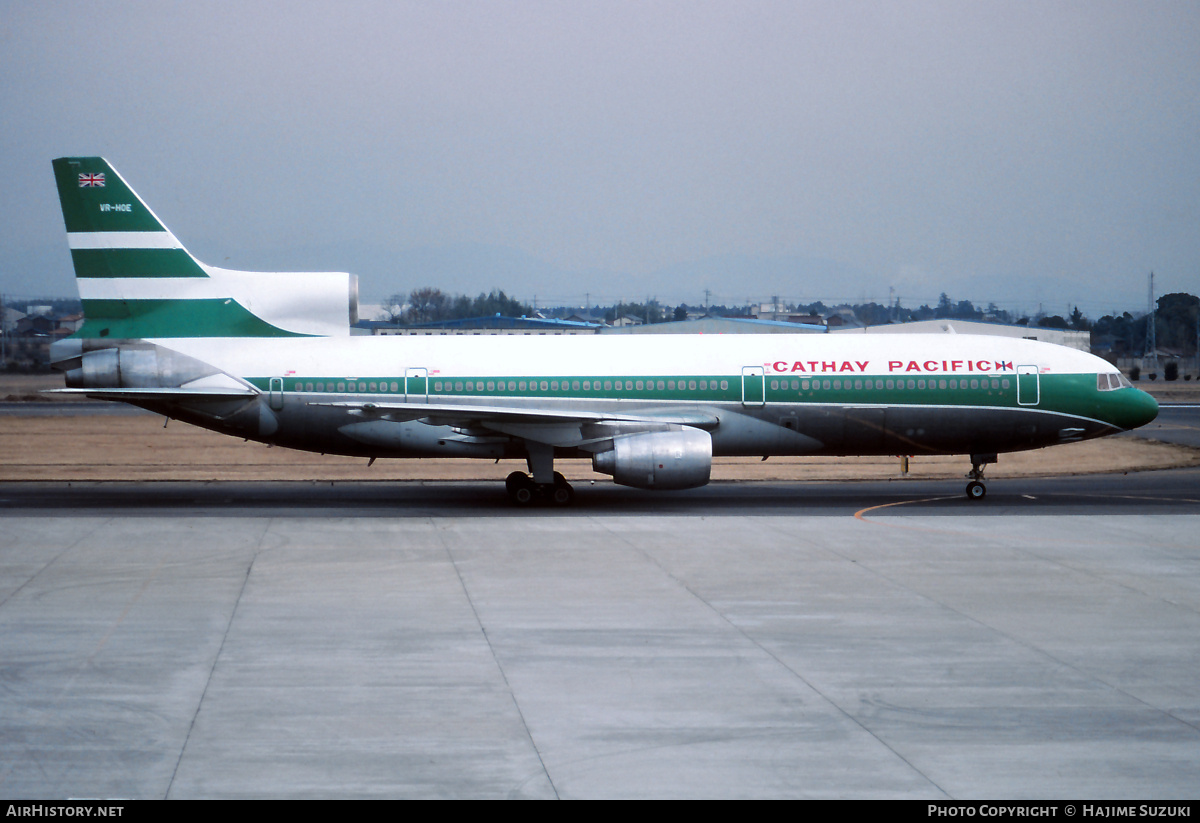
136,280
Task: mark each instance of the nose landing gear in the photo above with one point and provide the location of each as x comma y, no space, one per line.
976,490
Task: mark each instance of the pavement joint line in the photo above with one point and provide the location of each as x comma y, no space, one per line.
53,560
216,657
1038,650
438,530
796,674
103,522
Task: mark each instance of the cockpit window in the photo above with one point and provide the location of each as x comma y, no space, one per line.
1112,381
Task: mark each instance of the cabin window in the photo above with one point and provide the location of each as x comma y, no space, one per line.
825,385
395,386
891,384
837,384
639,385
858,384
587,385
374,386
341,386
804,384
608,385
574,385
691,385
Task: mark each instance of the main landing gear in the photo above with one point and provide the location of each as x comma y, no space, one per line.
976,490
543,483
523,491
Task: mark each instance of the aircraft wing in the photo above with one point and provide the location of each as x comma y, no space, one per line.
558,427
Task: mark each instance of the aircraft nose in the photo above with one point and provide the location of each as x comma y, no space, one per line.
1138,409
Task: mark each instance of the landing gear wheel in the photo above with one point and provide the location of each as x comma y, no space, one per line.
561,493
975,489
521,488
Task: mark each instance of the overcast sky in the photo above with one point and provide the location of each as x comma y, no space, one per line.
1017,152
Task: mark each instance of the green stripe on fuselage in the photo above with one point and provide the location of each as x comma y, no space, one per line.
716,389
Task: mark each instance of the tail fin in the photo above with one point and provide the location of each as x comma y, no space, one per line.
136,280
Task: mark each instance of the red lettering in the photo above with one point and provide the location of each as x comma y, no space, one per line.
895,364
846,366
828,366
955,365
984,365
930,365
797,366
862,364
779,365
913,365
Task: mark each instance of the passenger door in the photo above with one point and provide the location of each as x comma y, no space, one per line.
1028,386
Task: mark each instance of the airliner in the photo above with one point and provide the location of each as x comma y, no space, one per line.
271,357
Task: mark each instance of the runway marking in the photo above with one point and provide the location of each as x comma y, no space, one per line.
860,515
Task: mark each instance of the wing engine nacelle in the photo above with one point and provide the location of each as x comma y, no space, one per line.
680,459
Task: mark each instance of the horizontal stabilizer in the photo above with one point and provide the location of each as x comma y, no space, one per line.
158,394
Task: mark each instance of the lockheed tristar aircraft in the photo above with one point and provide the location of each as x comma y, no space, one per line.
270,357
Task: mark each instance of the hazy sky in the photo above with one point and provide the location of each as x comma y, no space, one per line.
1020,152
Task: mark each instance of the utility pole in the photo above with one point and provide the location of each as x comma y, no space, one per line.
1151,347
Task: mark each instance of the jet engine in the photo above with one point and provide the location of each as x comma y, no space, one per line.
680,459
